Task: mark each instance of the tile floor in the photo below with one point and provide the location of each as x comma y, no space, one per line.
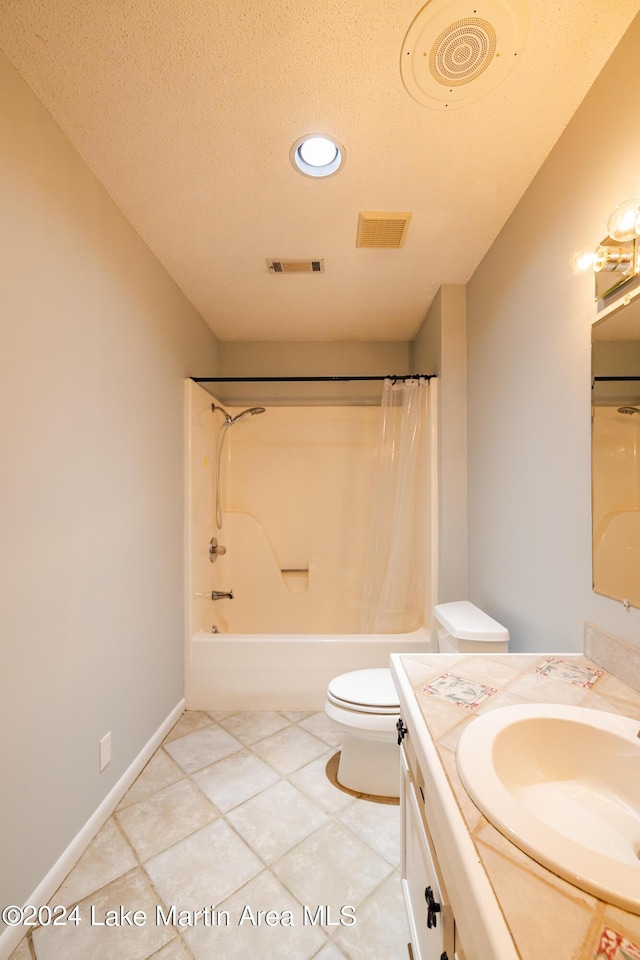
235,815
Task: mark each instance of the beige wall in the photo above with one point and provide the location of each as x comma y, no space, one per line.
366,358
314,359
529,380
440,348
96,341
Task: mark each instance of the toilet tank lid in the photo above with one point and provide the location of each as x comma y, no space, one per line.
465,621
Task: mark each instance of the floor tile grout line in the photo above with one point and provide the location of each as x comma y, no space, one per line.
375,889
249,747
156,953
91,893
185,837
291,723
178,935
138,865
223,816
219,814
331,816
259,739
189,777
316,955
148,879
31,947
120,808
281,778
278,773
269,871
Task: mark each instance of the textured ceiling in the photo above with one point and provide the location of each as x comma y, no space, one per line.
186,111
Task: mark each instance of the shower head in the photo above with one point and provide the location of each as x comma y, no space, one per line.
251,410
629,410
229,419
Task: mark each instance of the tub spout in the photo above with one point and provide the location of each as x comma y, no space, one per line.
222,595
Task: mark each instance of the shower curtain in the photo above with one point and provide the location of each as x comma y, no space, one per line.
398,551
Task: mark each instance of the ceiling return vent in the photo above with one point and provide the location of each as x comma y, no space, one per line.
295,266
382,231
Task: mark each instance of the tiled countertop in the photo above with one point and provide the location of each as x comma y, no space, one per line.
547,917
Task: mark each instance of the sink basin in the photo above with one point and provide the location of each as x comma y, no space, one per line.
563,784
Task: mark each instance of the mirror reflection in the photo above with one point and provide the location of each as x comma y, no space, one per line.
615,454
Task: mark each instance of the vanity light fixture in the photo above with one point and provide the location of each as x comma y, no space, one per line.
617,258
604,257
317,155
624,222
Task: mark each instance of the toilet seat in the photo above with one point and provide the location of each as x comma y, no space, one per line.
365,691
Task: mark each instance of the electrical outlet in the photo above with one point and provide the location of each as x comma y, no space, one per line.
105,751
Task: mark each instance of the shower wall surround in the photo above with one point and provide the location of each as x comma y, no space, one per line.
615,472
297,486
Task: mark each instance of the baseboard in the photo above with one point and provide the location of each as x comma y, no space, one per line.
12,936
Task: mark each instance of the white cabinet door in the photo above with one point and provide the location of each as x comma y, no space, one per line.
429,914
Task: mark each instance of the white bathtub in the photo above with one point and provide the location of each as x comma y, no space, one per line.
283,672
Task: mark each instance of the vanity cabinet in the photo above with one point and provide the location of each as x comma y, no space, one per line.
493,898
431,922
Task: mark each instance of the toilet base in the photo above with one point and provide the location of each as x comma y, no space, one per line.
370,765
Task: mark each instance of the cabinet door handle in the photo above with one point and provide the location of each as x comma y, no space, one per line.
433,908
444,956
402,730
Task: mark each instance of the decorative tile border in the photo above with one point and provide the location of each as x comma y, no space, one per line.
464,693
579,675
613,946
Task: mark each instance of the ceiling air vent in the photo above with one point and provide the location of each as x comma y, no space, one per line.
295,266
382,231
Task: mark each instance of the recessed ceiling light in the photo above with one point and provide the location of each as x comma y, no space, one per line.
317,156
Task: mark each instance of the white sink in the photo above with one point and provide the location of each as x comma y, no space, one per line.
563,784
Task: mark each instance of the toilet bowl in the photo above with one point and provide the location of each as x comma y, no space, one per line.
366,705
464,628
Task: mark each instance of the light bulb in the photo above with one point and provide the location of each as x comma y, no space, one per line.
583,260
317,156
624,222
318,151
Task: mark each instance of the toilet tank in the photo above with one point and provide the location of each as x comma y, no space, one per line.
464,628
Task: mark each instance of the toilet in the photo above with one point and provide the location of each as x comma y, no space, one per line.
365,703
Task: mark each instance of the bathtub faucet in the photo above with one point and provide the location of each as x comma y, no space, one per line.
221,595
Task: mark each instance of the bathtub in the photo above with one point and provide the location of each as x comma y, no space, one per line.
283,671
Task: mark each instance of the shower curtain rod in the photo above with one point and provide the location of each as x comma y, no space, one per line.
609,379
389,376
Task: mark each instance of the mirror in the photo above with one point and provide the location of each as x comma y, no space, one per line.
615,454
